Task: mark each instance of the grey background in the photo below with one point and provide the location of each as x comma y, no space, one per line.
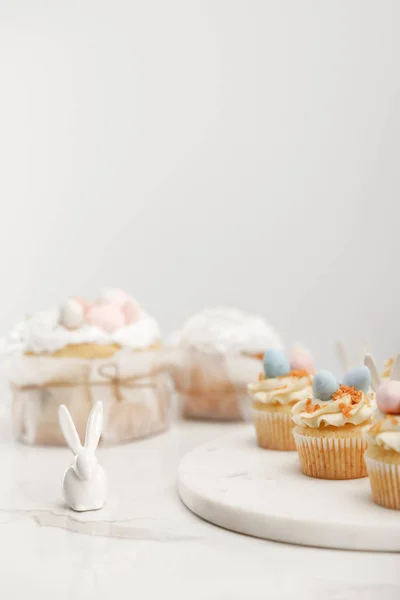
194,153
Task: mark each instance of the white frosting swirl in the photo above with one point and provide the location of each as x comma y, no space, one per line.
281,390
385,431
42,333
227,330
337,412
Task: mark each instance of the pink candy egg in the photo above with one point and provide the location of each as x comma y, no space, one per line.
388,397
108,317
301,359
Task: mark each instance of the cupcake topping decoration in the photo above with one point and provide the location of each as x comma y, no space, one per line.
324,385
335,404
72,314
358,378
385,430
300,359
388,397
280,384
119,321
388,390
113,310
275,363
369,362
107,317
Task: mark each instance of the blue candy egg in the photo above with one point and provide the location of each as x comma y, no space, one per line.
324,385
275,363
359,378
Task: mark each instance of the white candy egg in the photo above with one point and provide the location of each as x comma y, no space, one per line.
72,314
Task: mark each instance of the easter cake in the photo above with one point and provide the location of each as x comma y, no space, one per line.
283,383
330,425
216,353
80,353
383,437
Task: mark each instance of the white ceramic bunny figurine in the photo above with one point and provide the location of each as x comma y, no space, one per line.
85,483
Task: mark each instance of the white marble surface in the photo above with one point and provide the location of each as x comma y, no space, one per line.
233,483
171,553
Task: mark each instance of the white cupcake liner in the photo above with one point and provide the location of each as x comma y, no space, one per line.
329,443
265,415
274,429
384,480
331,457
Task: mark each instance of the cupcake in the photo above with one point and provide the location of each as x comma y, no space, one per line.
330,425
82,352
279,388
215,354
383,437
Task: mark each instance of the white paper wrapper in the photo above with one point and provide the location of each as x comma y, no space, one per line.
384,479
134,388
213,385
331,457
274,429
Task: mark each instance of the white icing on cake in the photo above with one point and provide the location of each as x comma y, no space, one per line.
226,330
43,333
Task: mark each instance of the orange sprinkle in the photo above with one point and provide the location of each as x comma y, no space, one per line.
297,373
344,390
345,408
309,407
261,377
393,420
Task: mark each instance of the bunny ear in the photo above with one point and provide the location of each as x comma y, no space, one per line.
365,349
375,377
69,430
342,356
94,427
395,372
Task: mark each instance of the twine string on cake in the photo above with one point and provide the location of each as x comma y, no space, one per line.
109,372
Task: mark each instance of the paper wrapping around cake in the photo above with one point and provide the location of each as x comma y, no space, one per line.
134,388
213,385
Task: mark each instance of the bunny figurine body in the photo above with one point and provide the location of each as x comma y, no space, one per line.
85,482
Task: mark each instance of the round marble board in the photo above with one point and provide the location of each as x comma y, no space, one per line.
233,483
